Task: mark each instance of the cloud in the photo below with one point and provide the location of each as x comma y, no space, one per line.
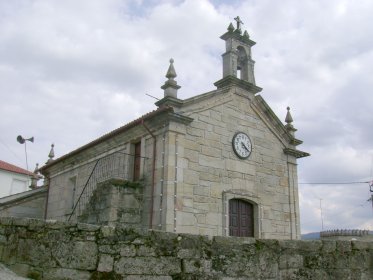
93,62
342,207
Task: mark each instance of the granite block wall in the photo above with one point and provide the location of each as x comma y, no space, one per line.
115,202
60,250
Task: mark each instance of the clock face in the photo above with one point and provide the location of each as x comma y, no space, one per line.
241,145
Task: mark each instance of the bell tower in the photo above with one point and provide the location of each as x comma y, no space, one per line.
237,60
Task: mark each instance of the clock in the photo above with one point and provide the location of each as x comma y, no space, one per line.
242,145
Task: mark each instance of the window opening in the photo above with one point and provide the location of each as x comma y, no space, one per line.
137,162
72,187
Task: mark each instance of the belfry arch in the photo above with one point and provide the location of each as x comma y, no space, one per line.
242,60
237,58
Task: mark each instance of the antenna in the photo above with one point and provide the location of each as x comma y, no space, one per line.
152,96
371,183
22,140
371,192
322,219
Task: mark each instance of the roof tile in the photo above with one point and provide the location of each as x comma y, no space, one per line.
110,134
13,168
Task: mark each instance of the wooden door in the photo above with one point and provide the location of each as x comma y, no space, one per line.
241,218
137,162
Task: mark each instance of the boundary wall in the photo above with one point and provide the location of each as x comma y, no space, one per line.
40,249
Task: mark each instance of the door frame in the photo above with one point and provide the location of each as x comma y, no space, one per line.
245,196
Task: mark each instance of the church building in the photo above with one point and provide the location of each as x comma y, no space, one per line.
220,163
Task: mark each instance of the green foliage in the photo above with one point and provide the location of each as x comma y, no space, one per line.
184,276
126,184
105,276
34,275
259,245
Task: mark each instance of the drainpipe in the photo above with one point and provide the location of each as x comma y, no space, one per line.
153,174
46,177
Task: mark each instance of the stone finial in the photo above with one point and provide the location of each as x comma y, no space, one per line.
51,154
36,170
170,87
289,118
171,73
230,27
35,177
246,35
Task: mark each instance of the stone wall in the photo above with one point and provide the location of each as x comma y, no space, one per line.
67,181
29,204
115,202
60,250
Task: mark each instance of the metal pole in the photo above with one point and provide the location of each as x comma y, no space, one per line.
26,156
322,220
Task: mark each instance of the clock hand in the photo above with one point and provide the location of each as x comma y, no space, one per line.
243,144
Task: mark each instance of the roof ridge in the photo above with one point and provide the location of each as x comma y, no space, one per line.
111,133
14,168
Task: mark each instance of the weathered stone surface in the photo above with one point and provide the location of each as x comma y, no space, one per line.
31,206
146,251
106,263
291,261
148,266
64,251
139,277
2,239
80,255
7,274
64,273
343,246
88,227
196,266
34,252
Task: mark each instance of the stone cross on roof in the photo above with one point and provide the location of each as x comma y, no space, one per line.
239,22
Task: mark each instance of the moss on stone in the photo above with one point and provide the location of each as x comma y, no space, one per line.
259,246
125,183
68,252
105,276
34,275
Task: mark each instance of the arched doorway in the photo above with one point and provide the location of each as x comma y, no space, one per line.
241,218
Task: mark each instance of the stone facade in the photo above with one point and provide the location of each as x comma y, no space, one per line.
59,250
209,173
187,165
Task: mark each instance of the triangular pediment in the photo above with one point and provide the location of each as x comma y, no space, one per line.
265,112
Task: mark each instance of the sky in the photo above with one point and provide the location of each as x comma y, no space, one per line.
71,71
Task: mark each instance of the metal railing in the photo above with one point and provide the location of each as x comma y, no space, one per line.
118,165
344,232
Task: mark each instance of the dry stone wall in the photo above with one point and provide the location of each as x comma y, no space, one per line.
115,202
59,250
